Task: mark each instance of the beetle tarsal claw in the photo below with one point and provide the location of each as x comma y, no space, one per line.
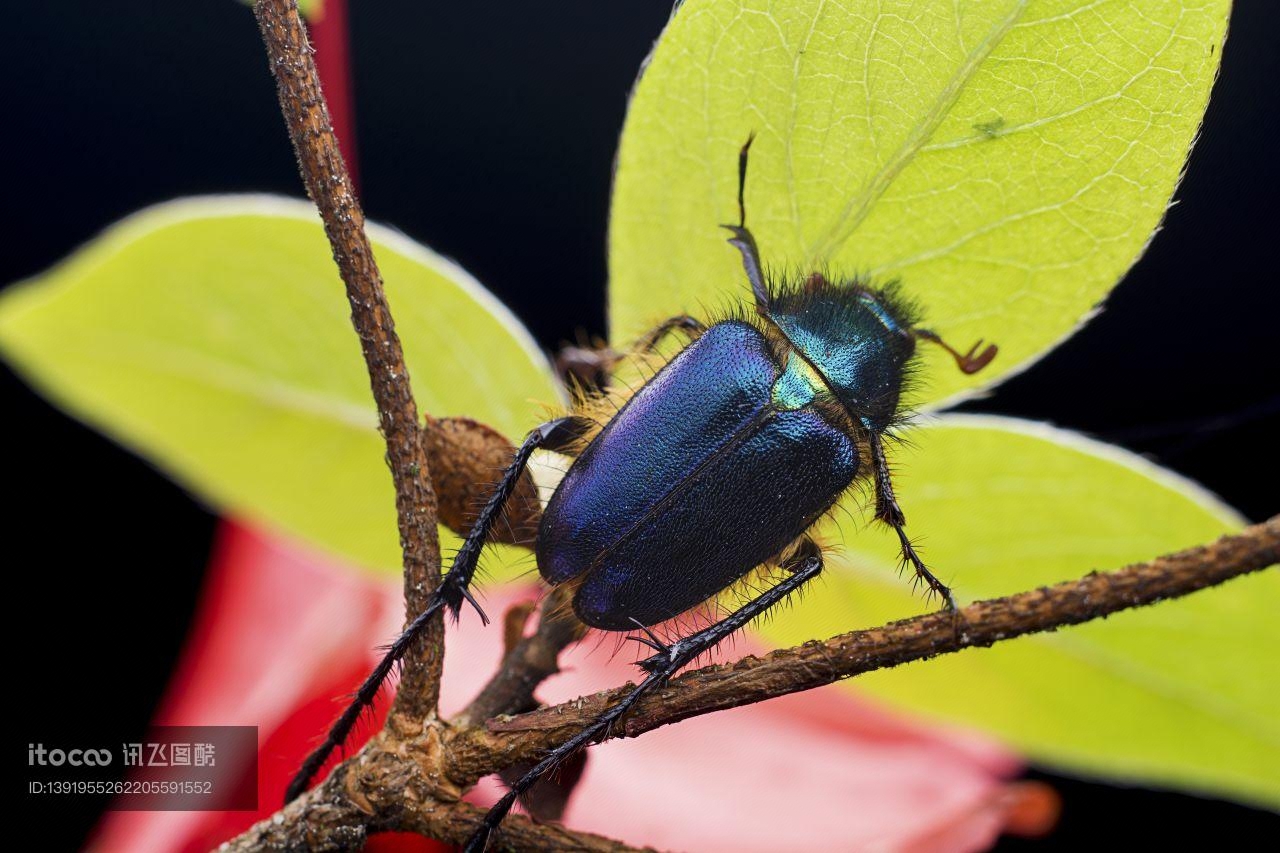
471,599
662,661
450,595
653,642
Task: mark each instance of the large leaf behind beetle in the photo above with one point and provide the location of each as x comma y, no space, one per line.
1008,159
1180,693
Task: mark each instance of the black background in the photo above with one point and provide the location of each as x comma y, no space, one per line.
487,131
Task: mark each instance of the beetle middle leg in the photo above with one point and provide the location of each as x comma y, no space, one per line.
889,512
591,367
454,589
666,661
681,322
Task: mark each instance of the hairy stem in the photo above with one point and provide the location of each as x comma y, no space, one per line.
328,183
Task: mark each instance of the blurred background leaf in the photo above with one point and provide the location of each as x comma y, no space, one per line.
212,337
1008,160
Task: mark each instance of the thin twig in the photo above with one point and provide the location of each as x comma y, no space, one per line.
815,664
325,174
377,788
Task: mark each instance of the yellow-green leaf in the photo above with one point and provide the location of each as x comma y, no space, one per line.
1007,159
212,336
1178,694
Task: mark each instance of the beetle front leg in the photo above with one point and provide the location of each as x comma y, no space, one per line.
889,512
454,589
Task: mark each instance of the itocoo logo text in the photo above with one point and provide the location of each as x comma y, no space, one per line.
38,755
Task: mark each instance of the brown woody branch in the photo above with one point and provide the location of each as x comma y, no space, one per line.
382,789
346,807
815,664
325,174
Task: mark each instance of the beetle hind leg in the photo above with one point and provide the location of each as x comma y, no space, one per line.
666,661
454,589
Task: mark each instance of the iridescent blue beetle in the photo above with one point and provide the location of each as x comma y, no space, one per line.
718,465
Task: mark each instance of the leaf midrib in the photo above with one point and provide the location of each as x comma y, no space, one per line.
166,359
859,205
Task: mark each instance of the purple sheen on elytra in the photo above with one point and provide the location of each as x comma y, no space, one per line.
698,480
692,407
740,510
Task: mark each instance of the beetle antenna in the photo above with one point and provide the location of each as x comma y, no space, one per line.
969,362
742,179
742,239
